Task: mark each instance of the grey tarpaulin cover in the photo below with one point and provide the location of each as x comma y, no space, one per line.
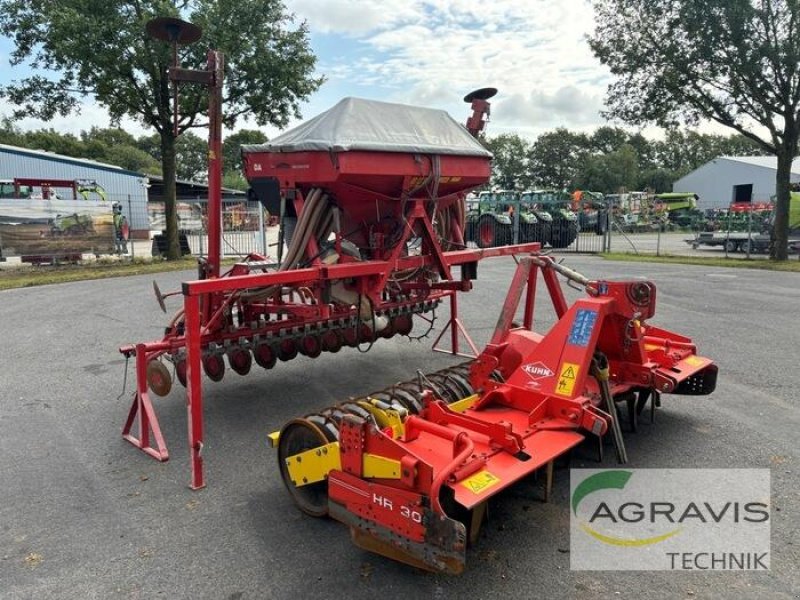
358,124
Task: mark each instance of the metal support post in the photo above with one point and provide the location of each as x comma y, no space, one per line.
194,392
456,326
143,408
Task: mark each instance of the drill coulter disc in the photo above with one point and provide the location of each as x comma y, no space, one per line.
298,436
387,331
366,334
311,346
240,360
287,349
158,378
180,372
350,335
214,367
265,356
332,341
403,324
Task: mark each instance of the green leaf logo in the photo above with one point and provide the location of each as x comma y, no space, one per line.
599,481
611,480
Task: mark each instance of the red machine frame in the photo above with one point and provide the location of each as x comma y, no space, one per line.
249,310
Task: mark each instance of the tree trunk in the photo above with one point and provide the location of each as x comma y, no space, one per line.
170,209
780,228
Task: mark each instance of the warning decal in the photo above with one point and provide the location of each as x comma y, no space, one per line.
566,378
480,481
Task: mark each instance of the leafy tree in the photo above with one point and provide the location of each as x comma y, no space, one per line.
557,157
131,158
10,134
610,172
118,147
234,180
191,154
509,165
231,147
53,141
101,49
191,158
607,139
732,61
658,180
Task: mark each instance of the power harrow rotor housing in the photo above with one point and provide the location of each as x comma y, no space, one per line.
371,201
410,469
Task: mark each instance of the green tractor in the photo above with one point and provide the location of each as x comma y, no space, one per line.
490,222
556,205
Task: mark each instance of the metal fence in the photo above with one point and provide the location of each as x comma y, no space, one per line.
246,228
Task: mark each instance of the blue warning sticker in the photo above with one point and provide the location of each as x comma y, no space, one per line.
582,327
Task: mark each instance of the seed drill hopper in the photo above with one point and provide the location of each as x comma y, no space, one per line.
371,201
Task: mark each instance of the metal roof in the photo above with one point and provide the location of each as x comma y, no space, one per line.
767,162
70,160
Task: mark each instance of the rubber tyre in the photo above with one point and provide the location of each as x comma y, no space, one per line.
563,234
490,233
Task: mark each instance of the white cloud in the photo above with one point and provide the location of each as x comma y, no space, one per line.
431,52
90,115
352,17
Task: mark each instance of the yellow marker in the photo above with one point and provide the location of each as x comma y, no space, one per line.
693,361
480,481
568,374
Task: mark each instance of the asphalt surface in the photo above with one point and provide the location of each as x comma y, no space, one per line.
85,515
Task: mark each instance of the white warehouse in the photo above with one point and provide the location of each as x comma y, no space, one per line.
734,179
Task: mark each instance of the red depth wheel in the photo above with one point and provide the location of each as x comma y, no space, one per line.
240,360
265,356
311,346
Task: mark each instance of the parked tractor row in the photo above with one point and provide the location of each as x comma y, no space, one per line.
551,217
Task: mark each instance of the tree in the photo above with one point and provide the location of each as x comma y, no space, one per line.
732,61
118,147
557,157
231,148
610,172
191,158
100,49
509,165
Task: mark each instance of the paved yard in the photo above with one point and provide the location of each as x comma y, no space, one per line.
84,515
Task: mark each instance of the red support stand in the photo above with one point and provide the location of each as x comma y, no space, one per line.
194,392
143,408
455,326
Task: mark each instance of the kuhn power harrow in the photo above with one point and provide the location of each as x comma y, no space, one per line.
371,201
410,469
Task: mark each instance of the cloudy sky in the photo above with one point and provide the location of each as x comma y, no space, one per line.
432,52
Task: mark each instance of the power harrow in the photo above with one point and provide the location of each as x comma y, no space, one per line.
410,469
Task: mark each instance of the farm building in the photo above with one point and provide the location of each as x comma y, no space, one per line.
129,188
734,179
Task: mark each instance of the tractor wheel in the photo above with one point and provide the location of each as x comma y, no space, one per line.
470,229
528,232
535,232
491,233
602,223
298,436
563,234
